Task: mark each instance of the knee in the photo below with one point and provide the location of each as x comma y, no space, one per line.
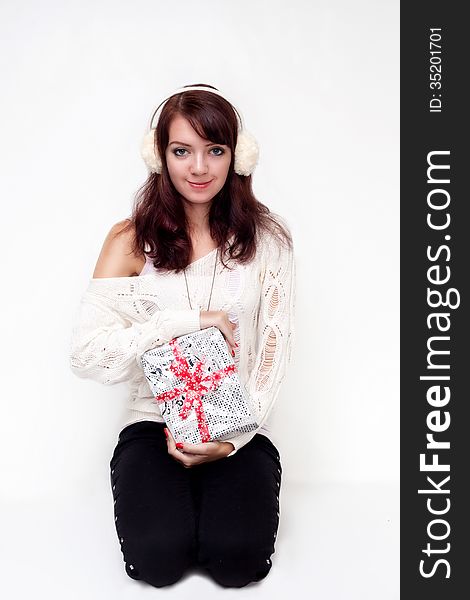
155,560
234,564
238,572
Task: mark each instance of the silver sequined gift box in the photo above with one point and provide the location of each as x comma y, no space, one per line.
196,384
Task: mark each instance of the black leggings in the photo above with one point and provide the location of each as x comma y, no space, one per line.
221,516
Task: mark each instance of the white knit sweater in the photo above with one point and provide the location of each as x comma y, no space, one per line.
119,318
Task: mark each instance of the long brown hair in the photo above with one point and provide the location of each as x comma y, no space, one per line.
158,218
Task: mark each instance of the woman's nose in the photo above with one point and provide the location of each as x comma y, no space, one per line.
199,164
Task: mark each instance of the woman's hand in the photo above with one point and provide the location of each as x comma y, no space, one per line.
190,455
219,318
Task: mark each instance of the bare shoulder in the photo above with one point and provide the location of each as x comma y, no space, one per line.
116,258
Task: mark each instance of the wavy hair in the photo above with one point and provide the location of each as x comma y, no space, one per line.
161,228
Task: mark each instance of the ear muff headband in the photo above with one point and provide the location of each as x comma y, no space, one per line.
246,151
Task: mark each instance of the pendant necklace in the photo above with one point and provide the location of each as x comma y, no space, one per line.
212,286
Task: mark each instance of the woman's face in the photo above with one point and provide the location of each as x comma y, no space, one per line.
192,159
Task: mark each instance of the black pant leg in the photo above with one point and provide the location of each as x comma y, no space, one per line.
239,513
153,506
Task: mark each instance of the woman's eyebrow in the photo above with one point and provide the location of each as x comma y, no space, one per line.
189,145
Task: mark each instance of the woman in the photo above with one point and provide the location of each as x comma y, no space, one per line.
198,251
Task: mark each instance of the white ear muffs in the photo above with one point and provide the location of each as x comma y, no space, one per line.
246,151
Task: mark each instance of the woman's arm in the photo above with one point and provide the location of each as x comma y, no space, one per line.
275,335
106,346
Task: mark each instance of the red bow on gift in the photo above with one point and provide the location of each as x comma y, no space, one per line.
196,385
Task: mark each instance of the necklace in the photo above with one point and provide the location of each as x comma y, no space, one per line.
212,286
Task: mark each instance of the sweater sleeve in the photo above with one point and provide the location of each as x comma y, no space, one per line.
106,346
275,336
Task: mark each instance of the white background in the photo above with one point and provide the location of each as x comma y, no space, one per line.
317,84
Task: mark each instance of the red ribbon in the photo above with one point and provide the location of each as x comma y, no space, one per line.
196,385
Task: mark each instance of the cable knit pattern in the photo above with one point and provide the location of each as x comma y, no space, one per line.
119,318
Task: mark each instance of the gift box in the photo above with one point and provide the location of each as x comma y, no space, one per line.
195,381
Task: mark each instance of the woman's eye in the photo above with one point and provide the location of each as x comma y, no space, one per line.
180,151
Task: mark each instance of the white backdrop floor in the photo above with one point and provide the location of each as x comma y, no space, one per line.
335,542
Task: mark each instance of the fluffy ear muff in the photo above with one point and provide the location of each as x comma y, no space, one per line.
246,153
150,153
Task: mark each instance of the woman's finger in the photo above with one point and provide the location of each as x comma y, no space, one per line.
172,448
170,439
176,452
203,448
230,340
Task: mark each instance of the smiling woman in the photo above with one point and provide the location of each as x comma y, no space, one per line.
214,257
199,169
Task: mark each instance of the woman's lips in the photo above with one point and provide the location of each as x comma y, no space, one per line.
200,186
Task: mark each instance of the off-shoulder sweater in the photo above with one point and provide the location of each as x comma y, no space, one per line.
119,318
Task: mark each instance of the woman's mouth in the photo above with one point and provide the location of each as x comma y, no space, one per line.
200,186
